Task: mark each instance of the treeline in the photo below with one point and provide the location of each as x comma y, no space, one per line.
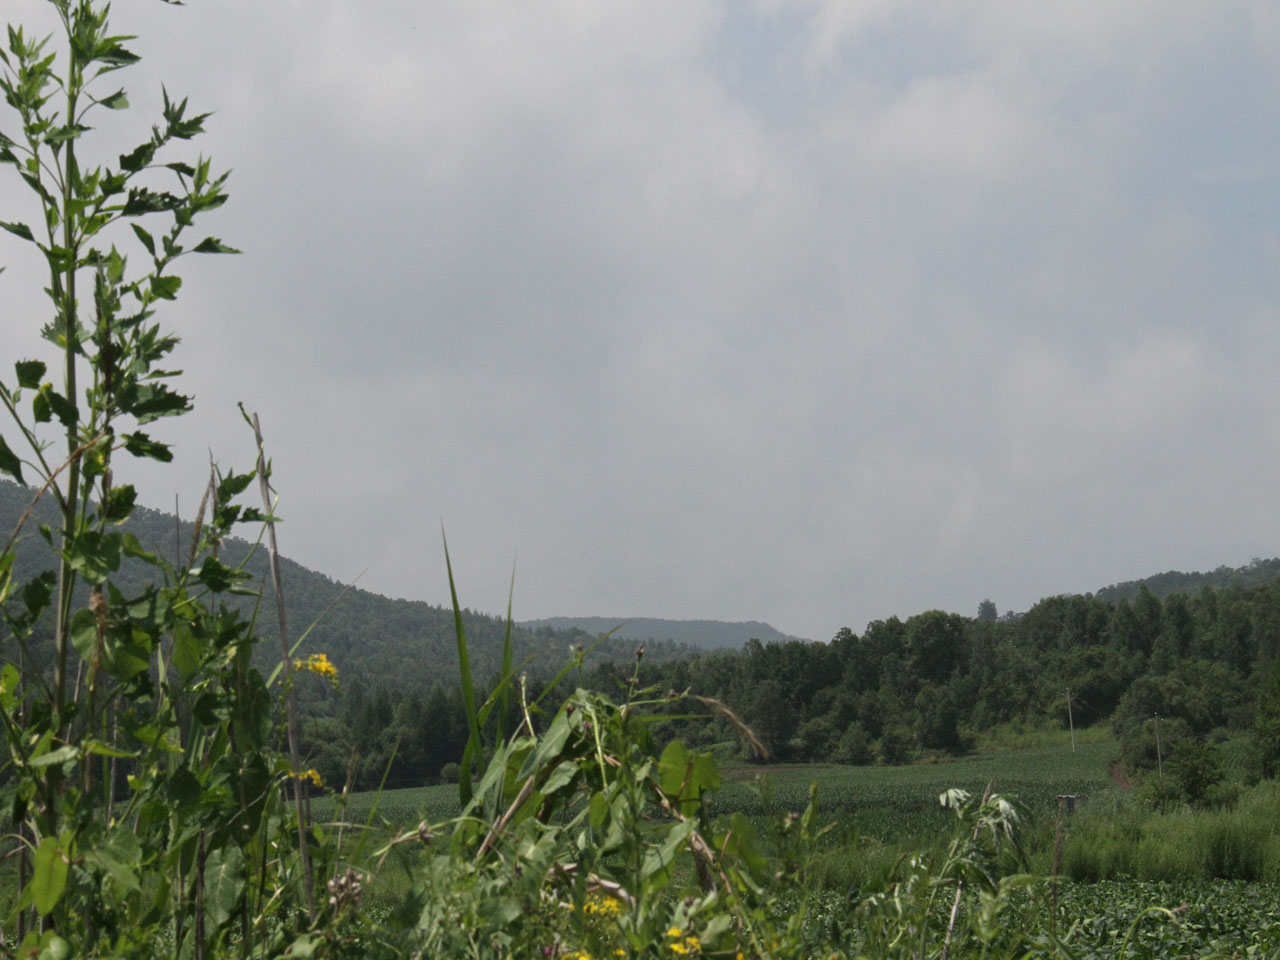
902,689
930,683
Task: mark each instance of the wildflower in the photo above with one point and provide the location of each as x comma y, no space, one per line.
683,945
317,663
311,774
605,906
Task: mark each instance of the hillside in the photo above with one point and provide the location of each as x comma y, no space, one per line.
1256,574
702,634
406,644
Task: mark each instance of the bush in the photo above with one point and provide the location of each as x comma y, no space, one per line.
449,772
854,746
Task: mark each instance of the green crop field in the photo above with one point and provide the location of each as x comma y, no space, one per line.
890,803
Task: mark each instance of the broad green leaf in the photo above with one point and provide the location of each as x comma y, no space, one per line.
139,158
30,373
49,875
217,576
233,484
54,757
660,859
84,633
119,503
599,810
9,462
188,651
673,767
131,547
223,883
141,445
166,287
306,945
560,777
95,556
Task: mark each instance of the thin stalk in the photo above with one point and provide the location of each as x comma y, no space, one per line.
66,576
286,664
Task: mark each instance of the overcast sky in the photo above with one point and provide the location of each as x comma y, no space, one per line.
805,311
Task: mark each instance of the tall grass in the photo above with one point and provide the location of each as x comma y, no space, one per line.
1120,838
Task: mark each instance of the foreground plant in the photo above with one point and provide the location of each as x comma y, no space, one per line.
141,772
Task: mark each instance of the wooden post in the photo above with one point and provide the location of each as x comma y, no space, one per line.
1071,722
1159,753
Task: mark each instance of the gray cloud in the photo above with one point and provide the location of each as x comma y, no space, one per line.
810,312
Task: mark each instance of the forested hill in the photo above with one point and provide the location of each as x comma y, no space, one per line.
703,634
405,644
1256,574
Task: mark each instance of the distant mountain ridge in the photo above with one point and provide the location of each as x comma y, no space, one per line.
407,644
1255,574
703,634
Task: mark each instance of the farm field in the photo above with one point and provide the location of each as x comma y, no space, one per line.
883,812
891,803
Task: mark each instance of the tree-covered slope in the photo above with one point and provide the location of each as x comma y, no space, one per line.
1255,574
703,634
405,644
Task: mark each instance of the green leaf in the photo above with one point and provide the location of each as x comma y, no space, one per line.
166,287
95,556
141,200
119,503
145,238
9,462
213,245
49,875
217,576
306,945
223,883
84,632
234,484
188,651
475,743
18,230
130,546
48,403
65,754
100,749
139,158
141,445
117,101
8,684
30,373
599,810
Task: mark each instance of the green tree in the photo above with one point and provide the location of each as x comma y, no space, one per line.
1266,725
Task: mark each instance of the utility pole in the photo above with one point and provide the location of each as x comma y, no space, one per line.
1159,755
1071,722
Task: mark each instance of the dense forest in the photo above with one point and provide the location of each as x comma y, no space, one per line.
903,689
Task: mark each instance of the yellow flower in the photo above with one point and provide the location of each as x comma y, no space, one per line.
312,774
675,932
606,906
317,663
